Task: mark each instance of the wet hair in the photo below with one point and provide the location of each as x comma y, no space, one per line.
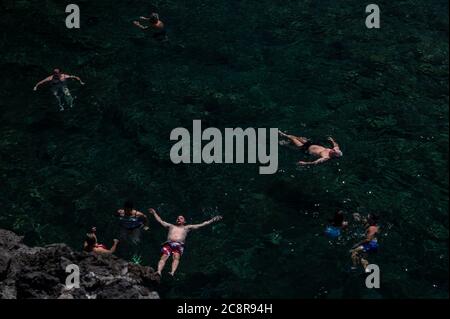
90,240
154,18
373,219
338,219
128,205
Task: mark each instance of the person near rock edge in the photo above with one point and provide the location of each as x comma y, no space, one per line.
131,222
155,25
176,239
323,153
58,82
91,244
369,244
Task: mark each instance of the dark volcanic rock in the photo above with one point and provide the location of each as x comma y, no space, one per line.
40,272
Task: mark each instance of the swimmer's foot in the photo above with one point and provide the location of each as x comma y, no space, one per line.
171,273
284,142
61,108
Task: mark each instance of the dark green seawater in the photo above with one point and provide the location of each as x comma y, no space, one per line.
306,66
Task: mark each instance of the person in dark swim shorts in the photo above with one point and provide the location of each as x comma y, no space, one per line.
323,153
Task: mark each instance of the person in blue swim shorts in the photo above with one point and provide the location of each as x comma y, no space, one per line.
369,245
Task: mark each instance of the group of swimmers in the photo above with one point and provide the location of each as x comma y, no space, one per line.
369,244
58,79
132,222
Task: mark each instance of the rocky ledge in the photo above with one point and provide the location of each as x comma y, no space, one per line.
40,273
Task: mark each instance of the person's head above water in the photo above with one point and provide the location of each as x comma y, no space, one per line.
128,206
181,220
57,71
335,153
91,241
338,218
154,18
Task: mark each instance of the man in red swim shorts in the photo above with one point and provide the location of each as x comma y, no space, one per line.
174,246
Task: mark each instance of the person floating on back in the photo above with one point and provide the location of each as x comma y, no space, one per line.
91,244
175,239
337,224
58,82
323,153
369,244
155,25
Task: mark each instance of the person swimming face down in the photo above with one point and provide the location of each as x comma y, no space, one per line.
181,221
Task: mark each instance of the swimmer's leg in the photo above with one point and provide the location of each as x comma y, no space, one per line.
364,263
297,141
68,97
58,98
356,259
175,262
162,263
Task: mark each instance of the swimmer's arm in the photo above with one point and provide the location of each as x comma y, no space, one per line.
197,226
136,23
76,78
107,251
335,145
317,161
158,219
144,218
47,79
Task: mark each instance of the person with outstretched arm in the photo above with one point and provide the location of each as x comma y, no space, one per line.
323,153
58,82
176,237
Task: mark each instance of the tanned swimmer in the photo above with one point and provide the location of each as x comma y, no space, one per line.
155,25
176,239
369,244
323,153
